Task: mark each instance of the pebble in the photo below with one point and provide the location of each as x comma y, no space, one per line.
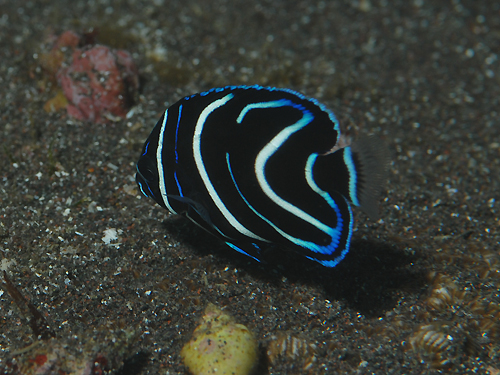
219,345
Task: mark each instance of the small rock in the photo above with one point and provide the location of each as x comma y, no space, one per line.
219,345
99,82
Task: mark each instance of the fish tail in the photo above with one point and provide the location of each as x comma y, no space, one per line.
358,172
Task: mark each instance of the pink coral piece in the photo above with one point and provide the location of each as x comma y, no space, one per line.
99,82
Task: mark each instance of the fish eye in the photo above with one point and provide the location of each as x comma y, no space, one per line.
147,169
146,176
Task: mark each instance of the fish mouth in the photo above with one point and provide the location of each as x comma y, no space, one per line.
146,177
143,185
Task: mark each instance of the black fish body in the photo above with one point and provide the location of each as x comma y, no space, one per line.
255,165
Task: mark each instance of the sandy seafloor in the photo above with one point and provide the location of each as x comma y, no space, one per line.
419,291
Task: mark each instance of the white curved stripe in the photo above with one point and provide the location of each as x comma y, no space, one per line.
203,172
260,165
312,184
159,164
334,233
271,104
331,202
353,179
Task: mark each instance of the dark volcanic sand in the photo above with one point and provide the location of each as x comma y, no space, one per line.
422,75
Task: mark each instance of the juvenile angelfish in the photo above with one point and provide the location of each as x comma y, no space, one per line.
255,165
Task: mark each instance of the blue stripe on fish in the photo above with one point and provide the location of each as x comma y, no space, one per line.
255,165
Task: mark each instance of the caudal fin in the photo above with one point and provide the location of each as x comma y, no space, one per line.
358,172
371,157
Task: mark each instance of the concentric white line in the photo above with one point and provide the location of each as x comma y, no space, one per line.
159,164
198,158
